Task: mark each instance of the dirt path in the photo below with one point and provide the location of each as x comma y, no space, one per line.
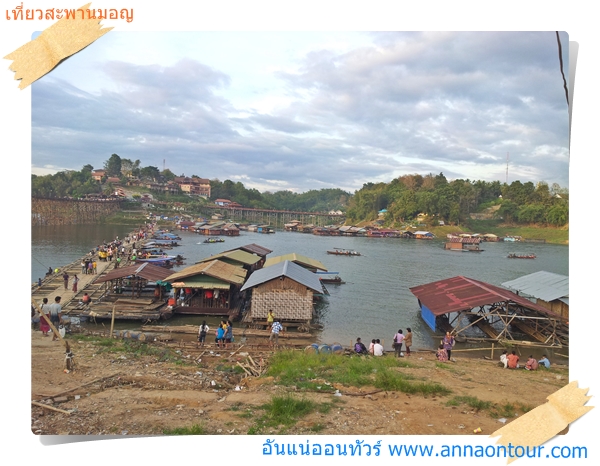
126,393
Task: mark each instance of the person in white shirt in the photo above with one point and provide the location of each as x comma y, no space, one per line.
504,359
377,349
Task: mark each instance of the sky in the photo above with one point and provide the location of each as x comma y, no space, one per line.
290,110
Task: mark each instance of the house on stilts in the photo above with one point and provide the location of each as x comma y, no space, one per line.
477,311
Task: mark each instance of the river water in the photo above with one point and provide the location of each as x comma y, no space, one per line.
375,300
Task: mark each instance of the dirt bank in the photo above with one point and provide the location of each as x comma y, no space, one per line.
146,391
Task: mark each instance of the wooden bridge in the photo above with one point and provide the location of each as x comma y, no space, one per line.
276,218
71,211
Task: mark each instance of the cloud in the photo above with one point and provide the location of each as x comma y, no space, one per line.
397,103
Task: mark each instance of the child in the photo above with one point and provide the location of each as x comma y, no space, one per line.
442,354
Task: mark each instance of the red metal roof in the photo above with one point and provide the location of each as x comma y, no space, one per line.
462,294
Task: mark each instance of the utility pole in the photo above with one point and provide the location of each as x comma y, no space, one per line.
507,168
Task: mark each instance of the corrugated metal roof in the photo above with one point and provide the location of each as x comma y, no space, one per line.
288,269
202,281
304,261
543,285
147,271
236,255
256,249
253,249
216,268
462,293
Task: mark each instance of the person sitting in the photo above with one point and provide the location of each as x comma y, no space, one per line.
441,354
531,364
504,359
371,346
378,348
544,361
513,360
360,348
85,299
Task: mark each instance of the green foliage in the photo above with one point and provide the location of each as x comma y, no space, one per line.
284,411
390,380
113,166
471,401
404,198
192,430
308,371
496,410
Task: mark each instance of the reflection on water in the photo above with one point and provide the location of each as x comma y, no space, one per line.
375,300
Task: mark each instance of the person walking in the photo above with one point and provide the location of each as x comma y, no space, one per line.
66,280
408,340
202,331
44,309
75,282
55,315
275,329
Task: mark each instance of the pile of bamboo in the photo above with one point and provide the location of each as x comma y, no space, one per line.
251,368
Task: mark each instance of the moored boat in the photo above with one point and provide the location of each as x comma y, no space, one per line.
343,252
516,255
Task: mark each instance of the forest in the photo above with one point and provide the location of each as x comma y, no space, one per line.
400,201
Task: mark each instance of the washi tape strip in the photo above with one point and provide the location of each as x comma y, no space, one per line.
546,421
59,41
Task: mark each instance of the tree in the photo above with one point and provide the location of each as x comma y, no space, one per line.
150,173
113,166
128,167
558,215
167,175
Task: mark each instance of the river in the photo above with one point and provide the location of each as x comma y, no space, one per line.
375,300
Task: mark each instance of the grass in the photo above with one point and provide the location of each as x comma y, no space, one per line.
282,412
496,410
550,234
193,430
471,401
135,349
318,372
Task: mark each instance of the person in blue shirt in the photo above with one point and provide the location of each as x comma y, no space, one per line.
544,361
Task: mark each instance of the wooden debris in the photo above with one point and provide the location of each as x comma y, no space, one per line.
42,405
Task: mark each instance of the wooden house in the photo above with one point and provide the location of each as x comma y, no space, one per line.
237,257
208,288
550,290
286,288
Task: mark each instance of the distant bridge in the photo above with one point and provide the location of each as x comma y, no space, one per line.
274,217
48,211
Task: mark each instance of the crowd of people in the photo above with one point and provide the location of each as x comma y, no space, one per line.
223,334
376,348
511,361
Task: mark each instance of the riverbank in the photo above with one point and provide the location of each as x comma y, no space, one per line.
132,388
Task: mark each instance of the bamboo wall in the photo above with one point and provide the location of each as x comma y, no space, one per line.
71,211
556,306
288,299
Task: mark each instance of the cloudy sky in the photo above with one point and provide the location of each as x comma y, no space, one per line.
300,111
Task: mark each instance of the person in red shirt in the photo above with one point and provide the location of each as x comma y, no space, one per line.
532,364
513,360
